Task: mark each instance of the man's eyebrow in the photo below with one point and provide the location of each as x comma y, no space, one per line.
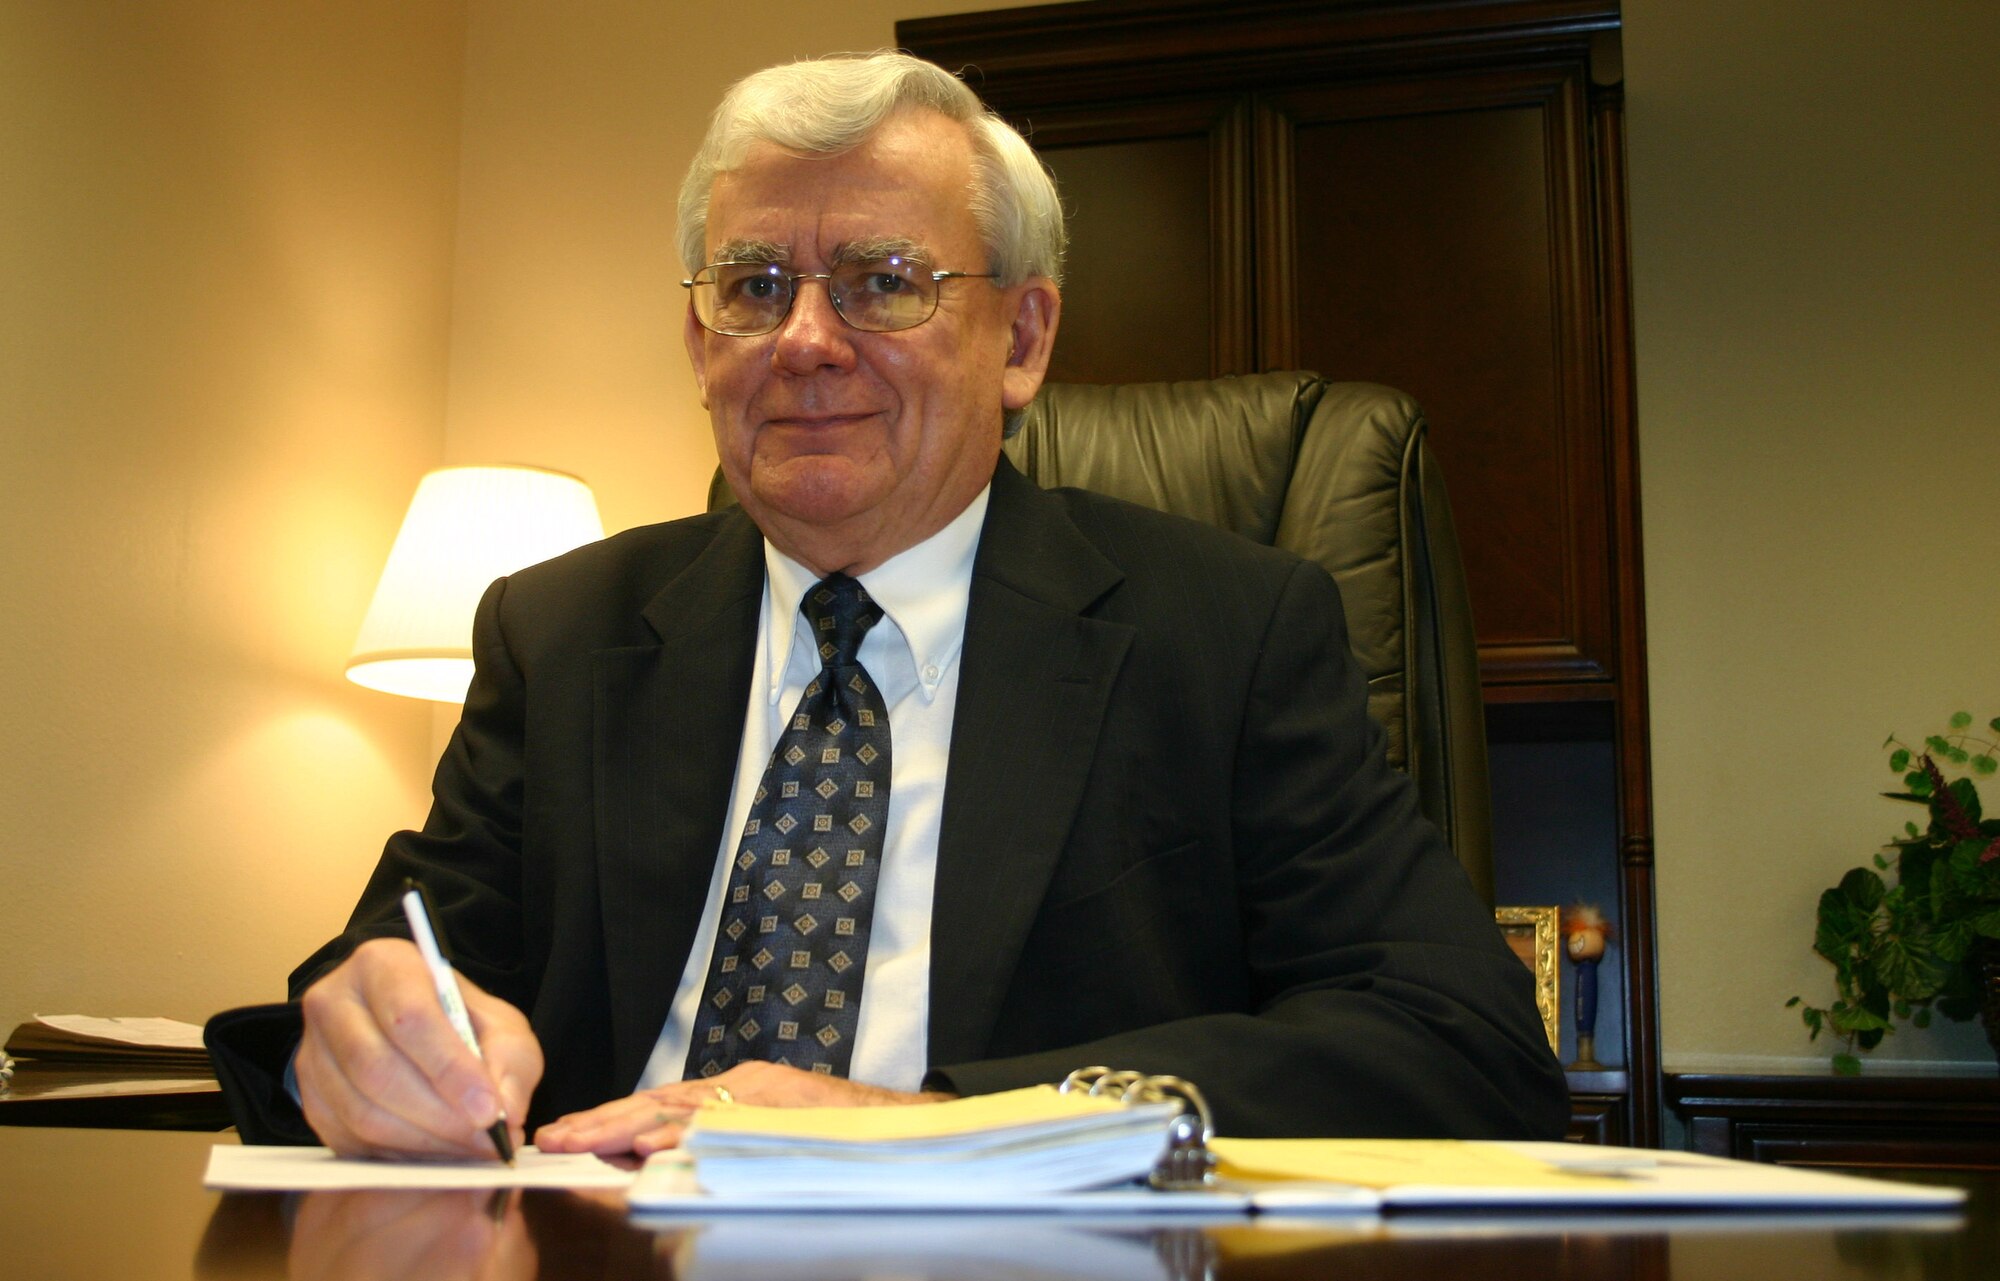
876,248
753,251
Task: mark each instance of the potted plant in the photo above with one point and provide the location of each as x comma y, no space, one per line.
1931,939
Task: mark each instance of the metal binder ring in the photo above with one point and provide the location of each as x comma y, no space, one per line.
1187,1162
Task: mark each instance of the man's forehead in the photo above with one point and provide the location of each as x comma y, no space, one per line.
912,181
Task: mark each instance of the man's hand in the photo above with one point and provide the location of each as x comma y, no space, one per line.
653,1119
382,1073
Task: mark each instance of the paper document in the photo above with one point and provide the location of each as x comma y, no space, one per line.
666,1190
1014,1143
121,1087
1414,1174
158,1034
234,1168
1349,1177
81,1038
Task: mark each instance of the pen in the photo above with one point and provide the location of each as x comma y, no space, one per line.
418,912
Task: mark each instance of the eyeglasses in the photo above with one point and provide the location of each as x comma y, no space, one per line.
880,296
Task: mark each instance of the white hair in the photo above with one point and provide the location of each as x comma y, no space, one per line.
825,105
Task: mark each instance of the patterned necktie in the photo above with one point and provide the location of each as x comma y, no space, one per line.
784,981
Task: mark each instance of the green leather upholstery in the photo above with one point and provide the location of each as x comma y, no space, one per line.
1337,472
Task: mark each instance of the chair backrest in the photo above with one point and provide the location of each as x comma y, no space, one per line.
1335,472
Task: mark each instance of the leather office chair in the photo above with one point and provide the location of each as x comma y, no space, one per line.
1336,472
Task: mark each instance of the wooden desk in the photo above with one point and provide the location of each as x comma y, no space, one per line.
77,1205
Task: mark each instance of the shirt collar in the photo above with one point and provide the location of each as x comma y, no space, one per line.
923,590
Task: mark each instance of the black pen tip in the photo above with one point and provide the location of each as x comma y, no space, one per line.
501,1143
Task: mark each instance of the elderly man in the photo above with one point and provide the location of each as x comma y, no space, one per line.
906,779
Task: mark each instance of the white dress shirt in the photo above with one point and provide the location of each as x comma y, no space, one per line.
912,656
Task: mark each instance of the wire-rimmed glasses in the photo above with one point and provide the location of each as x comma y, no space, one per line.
878,296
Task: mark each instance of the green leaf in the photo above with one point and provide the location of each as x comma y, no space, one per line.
1959,756
1862,888
1789,1004
1911,829
1994,725
1846,1065
1913,868
1987,924
1953,941
1907,966
1985,764
1967,796
1959,720
1937,743
1855,1019
1965,866
1918,782
1899,760
1922,1018
1881,863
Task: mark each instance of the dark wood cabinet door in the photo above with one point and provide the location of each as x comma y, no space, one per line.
1436,235
1157,192
1423,193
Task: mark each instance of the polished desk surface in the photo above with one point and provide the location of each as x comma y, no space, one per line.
90,1204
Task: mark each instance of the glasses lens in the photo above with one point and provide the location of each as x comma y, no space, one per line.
883,295
742,297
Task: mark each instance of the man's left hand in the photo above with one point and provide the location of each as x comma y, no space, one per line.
653,1119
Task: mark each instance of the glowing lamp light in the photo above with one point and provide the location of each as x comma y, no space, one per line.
466,527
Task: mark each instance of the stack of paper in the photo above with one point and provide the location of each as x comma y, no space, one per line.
1035,1140
124,1042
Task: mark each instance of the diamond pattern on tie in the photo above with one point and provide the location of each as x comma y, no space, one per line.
829,774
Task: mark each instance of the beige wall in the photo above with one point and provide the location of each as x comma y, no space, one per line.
225,236
1816,246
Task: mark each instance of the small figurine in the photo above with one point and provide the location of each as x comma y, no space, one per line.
1585,933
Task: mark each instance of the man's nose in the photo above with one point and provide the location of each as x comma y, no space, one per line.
813,336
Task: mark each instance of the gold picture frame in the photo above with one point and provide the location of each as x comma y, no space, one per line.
1531,932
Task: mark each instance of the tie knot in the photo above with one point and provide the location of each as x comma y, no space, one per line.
840,612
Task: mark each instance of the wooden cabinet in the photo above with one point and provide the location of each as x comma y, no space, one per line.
1852,1122
1428,194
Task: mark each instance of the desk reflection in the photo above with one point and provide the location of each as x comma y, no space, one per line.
485,1236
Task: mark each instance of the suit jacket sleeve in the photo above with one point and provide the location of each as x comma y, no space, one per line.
1375,996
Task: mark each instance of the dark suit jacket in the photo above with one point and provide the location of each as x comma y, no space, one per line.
1170,841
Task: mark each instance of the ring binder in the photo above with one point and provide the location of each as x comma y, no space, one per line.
1187,1163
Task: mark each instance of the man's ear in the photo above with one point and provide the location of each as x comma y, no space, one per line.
1037,309
696,339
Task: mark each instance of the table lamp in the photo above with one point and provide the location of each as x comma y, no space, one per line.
466,527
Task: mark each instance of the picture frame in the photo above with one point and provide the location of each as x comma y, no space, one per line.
1531,932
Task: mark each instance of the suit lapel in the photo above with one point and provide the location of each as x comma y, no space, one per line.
1035,682
669,724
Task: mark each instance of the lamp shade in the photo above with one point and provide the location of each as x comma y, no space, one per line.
466,527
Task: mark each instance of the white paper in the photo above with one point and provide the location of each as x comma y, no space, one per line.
237,1168
666,1189
152,1033
121,1087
